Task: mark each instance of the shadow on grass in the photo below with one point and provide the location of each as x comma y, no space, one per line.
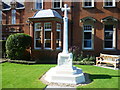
101,76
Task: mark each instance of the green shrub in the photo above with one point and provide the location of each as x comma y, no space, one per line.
16,45
75,50
92,58
80,57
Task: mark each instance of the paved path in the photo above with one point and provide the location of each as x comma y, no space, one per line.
59,88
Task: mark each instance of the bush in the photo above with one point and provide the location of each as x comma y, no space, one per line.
92,58
75,51
16,46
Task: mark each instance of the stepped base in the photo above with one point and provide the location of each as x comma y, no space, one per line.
66,75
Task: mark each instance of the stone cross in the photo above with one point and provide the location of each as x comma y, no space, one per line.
65,37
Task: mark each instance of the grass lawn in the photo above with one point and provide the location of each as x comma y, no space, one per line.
27,76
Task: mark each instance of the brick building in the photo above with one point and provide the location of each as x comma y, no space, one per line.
93,26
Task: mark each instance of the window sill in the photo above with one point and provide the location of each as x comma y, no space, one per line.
88,49
33,9
47,49
109,49
109,6
58,49
88,7
37,48
56,8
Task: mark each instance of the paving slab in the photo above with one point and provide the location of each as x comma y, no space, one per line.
59,88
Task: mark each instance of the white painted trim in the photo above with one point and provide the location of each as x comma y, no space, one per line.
113,1
34,35
83,4
44,35
59,30
113,40
92,38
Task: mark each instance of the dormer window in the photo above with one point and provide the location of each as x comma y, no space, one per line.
109,3
88,3
38,4
57,4
13,16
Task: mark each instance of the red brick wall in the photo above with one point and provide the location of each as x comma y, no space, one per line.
98,12
75,26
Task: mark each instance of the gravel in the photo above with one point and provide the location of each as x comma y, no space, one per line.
88,81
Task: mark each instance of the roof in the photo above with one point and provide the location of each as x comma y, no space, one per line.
7,6
47,14
87,18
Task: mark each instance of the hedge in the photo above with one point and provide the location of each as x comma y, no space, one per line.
16,46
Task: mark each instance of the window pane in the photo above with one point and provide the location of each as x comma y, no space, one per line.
87,35
48,43
108,27
47,34
38,34
56,3
87,27
14,16
58,35
58,26
87,43
58,43
38,26
108,35
108,44
109,3
48,25
88,3
38,4
38,43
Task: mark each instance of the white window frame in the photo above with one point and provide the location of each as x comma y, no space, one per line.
13,20
44,34
113,40
36,1
88,6
91,31
35,30
58,30
113,2
56,7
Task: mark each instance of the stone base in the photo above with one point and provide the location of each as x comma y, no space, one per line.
56,75
65,72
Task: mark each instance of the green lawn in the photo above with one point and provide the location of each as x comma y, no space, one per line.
27,76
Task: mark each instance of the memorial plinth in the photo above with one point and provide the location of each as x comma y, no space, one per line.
65,72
